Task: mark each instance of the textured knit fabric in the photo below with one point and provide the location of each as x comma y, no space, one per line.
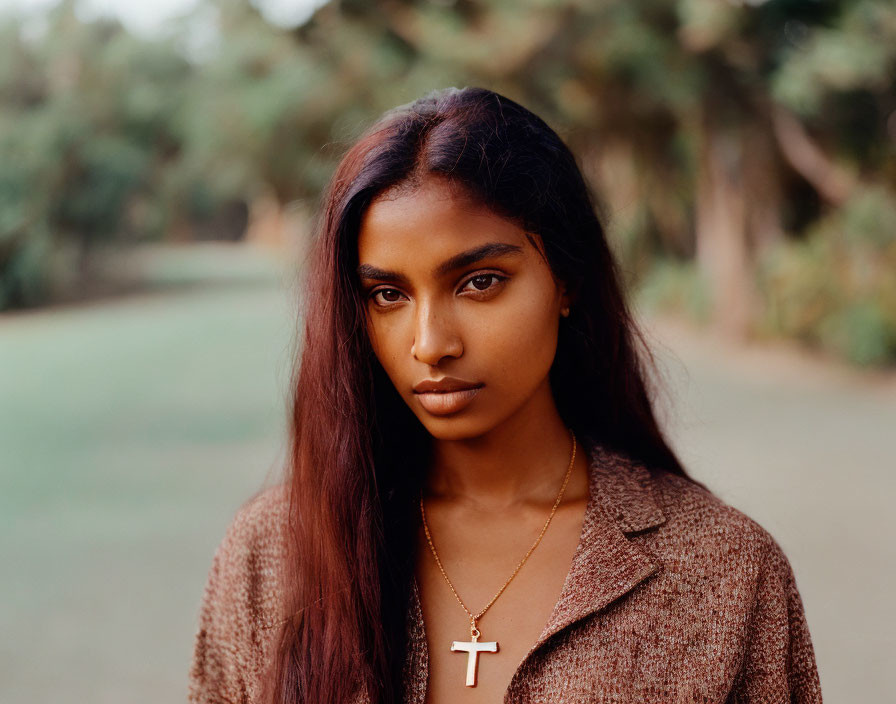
672,597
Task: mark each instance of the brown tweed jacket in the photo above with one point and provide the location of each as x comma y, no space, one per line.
672,597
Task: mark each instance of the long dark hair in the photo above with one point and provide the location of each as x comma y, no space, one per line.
358,454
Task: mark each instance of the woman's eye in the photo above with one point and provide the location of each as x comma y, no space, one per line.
390,295
484,282
481,283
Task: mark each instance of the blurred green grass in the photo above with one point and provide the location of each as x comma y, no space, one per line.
130,431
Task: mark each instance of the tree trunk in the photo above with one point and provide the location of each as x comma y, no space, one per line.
279,226
275,224
723,255
832,181
763,187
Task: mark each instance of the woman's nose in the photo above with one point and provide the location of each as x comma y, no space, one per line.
435,335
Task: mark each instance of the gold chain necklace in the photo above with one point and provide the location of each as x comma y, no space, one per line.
474,647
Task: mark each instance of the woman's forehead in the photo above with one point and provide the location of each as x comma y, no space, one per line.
432,221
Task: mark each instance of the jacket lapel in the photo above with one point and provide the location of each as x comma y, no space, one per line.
606,564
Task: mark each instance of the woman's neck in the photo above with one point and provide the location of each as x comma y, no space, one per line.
521,462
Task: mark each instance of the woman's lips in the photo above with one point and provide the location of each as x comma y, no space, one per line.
447,402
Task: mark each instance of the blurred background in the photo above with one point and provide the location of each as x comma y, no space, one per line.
160,165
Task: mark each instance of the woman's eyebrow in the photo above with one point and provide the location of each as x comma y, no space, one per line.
462,259
471,256
368,271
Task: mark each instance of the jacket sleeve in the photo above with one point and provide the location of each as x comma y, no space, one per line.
235,624
779,660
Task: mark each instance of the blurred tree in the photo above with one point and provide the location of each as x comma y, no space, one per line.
734,146
85,137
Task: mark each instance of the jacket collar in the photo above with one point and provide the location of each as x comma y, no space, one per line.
606,565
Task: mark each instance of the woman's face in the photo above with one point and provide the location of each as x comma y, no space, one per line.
455,292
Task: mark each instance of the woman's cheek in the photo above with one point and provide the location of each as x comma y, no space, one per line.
387,337
388,359
521,348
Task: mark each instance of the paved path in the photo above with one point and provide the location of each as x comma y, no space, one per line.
131,430
822,435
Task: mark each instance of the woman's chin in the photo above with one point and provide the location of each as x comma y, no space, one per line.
456,427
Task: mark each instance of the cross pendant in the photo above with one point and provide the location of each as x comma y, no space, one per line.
473,648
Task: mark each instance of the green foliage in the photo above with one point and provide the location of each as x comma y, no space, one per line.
26,270
675,286
837,288
859,51
87,128
105,137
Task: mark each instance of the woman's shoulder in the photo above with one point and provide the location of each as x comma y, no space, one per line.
704,537
723,563
701,541
250,557
687,515
241,603
258,526
696,516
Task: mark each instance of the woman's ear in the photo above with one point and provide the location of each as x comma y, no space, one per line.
567,299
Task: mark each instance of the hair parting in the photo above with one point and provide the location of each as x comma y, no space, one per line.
357,454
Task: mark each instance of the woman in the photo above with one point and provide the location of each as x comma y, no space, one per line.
480,505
